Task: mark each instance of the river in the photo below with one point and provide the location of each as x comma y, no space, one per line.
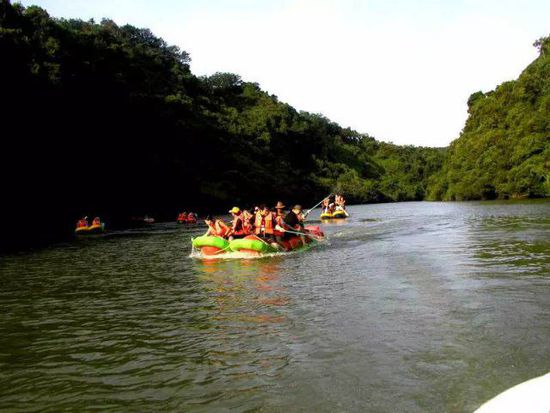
408,307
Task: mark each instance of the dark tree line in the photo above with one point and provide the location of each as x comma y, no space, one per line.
108,120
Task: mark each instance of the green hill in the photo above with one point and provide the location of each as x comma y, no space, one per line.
504,148
109,120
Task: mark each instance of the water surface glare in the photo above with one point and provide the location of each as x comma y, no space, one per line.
409,307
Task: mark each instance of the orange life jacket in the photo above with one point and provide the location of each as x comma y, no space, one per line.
264,224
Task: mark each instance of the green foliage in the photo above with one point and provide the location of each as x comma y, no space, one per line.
504,149
115,107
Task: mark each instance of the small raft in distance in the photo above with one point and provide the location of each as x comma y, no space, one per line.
186,220
252,246
90,230
334,215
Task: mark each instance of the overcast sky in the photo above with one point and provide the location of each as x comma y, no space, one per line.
399,70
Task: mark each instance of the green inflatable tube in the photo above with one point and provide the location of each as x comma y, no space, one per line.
210,241
250,244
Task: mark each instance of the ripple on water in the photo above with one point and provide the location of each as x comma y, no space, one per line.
407,307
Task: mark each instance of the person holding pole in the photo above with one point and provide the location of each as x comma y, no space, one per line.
295,221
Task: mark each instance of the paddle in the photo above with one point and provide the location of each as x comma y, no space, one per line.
316,205
302,233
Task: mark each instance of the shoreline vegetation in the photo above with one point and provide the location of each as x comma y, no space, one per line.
109,120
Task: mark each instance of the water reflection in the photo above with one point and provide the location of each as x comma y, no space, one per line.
247,291
247,301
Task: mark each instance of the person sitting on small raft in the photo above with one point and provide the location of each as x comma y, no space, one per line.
325,206
82,223
96,221
216,227
340,204
328,207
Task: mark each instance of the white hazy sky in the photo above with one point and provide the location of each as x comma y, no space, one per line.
399,70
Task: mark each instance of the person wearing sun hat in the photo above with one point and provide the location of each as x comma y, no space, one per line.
237,225
279,230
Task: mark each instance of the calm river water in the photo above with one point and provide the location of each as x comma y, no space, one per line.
409,307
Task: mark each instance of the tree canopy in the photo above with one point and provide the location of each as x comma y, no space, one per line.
109,120
504,148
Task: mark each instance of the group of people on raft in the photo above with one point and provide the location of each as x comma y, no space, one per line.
83,222
272,225
187,217
330,206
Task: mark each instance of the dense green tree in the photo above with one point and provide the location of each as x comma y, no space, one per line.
504,148
110,120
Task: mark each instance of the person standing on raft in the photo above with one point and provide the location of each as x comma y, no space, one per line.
237,227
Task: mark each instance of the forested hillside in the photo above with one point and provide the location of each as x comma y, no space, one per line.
504,148
101,119
109,120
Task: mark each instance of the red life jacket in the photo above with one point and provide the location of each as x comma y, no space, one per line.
218,229
247,225
264,224
96,221
82,223
238,226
